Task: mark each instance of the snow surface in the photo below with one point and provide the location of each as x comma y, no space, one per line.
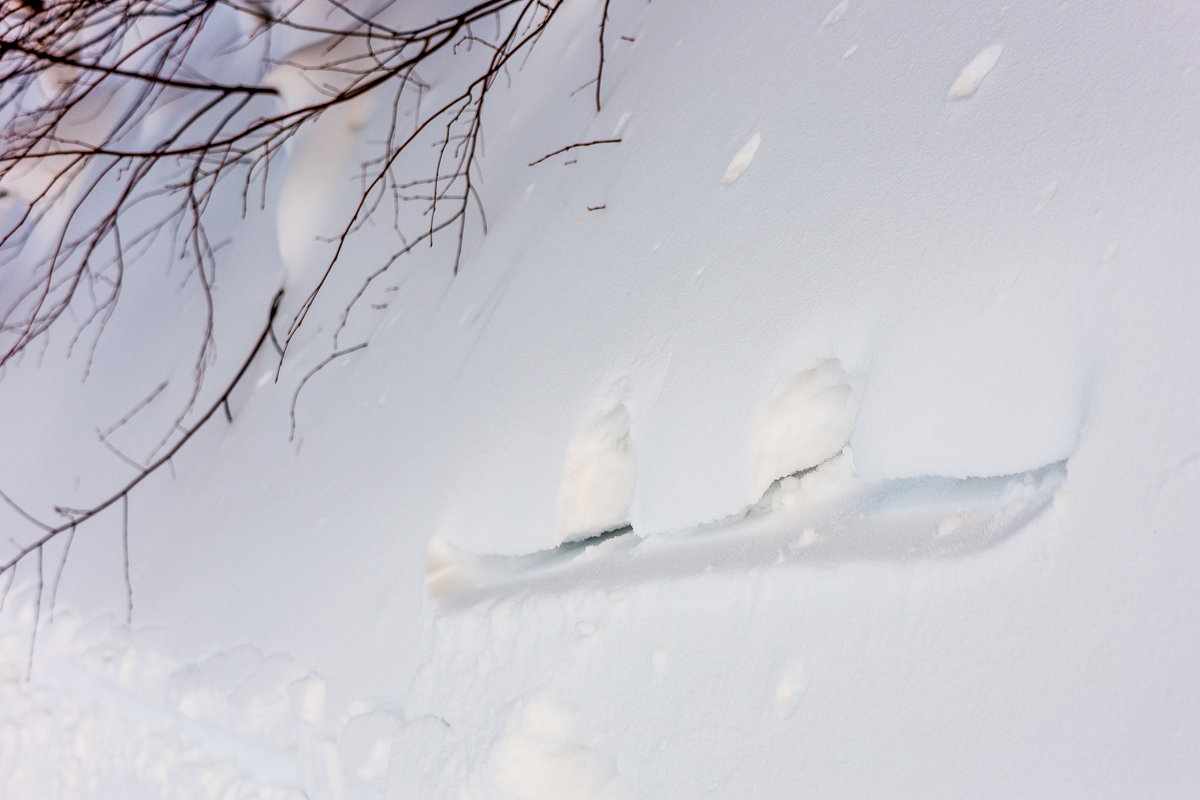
981,583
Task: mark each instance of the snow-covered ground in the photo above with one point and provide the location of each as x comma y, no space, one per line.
834,433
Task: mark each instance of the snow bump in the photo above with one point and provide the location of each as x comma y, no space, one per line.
597,483
741,160
835,14
808,421
972,76
542,754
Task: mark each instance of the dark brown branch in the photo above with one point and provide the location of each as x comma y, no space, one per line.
513,43
572,147
600,65
8,45
219,133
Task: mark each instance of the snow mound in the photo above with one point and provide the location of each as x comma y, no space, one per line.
835,14
741,160
597,484
826,481
541,756
968,81
808,420
320,155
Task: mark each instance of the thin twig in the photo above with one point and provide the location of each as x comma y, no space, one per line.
134,411
600,66
37,614
125,558
572,147
117,452
165,458
10,575
326,362
62,563
28,517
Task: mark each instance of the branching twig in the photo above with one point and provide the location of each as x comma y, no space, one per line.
296,395
77,81
122,494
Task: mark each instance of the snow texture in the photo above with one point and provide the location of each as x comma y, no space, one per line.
902,424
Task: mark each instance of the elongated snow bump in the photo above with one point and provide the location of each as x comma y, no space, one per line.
972,76
741,160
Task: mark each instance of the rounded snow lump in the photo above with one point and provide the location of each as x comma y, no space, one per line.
808,420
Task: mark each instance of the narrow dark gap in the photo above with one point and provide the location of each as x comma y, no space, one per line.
576,545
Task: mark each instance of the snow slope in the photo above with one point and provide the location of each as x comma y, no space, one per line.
922,276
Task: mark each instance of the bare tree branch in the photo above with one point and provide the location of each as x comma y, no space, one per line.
118,137
300,386
123,493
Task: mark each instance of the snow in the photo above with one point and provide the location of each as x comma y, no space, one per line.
902,424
